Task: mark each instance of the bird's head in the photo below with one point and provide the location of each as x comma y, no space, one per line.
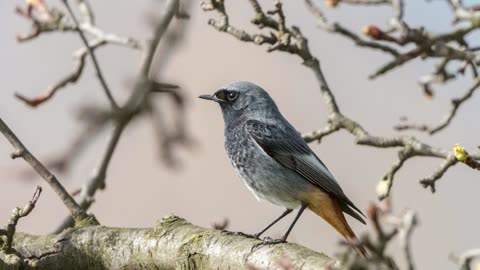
242,98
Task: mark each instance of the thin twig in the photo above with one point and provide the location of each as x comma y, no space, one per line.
18,213
428,45
339,29
77,213
86,10
430,181
333,3
72,77
98,71
409,221
465,258
455,105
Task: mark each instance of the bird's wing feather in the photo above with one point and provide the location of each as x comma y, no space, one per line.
286,146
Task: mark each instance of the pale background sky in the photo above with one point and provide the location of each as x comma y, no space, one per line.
141,190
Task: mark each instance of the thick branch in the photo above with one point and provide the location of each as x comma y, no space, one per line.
172,244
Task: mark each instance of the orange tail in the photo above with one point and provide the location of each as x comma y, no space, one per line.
327,207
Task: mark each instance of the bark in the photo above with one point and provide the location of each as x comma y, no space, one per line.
173,243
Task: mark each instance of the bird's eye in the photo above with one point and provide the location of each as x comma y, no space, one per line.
232,95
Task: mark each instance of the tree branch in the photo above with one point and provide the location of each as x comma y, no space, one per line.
448,46
77,213
341,30
466,258
79,64
173,243
98,71
18,213
455,105
334,3
55,21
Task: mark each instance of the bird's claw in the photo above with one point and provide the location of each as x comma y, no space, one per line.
267,241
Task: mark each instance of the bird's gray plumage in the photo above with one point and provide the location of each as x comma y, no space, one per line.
268,153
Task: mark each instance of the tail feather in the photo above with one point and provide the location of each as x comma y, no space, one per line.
328,208
348,210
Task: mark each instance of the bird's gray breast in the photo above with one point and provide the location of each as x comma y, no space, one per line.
263,175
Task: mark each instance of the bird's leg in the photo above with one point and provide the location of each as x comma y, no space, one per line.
270,241
300,212
287,211
257,235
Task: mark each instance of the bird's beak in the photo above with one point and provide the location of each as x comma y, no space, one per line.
211,97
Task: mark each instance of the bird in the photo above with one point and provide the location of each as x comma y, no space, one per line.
276,164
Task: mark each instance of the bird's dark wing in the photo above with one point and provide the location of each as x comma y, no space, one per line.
286,146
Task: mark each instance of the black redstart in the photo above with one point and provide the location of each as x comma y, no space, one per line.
276,164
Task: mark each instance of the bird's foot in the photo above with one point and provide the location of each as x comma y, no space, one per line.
267,241
254,236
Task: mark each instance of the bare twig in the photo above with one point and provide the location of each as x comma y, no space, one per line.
339,29
384,186
18,213
44,20
55,22
461,13
79,65
400,227
455,105
163,87
77,213
430,181
160,29
409,221
448,46
87,11
334,3
98,71
465,259
439,75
